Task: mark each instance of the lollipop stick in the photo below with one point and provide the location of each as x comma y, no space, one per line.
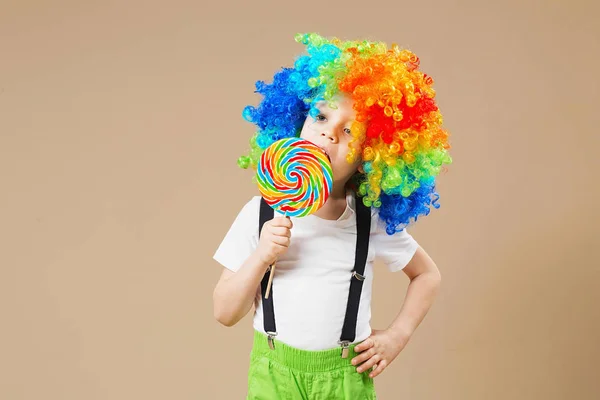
270,280
271,273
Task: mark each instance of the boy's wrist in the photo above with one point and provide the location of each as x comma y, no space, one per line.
400,333
260,262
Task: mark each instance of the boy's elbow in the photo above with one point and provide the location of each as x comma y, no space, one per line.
224,319
228,322
436,279
223,316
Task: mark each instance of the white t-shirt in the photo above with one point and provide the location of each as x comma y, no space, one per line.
312,279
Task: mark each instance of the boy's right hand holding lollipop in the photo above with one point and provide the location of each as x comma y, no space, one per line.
274,240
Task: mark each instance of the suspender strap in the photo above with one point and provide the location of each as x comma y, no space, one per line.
363,230
266,214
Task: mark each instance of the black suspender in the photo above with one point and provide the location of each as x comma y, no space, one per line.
363,228
266,214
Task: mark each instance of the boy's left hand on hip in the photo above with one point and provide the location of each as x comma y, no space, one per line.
378,351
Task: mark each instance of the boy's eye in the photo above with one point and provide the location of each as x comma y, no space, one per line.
320,117
347,130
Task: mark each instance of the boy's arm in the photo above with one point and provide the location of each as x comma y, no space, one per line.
382,347
424,285
234,293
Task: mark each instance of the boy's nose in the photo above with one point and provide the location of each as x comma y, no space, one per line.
332,137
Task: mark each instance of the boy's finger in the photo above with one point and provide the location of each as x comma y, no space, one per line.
281,240
281,231
366,344
375,371
362,357
379,367
282,221
368,364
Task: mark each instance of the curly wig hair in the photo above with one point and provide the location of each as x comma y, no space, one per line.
398,125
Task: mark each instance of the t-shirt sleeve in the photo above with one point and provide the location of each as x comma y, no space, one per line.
241,239
394,250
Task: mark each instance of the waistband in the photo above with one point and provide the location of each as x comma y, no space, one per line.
301,360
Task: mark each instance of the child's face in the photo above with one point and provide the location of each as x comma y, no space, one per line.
331,131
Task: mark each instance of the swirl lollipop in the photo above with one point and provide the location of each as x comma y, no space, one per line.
295,178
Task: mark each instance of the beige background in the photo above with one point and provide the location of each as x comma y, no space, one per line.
120,125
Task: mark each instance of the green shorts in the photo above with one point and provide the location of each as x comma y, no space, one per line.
288,373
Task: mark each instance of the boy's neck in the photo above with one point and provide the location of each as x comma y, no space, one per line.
335,205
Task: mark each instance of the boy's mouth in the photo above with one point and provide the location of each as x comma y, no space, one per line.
324,151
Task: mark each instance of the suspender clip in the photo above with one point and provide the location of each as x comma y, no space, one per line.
358,276
345,344
270,339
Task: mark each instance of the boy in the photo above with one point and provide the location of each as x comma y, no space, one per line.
312,336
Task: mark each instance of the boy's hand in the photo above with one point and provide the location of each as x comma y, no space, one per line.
378,351
274,239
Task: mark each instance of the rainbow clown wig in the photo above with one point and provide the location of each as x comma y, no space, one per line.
398,124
